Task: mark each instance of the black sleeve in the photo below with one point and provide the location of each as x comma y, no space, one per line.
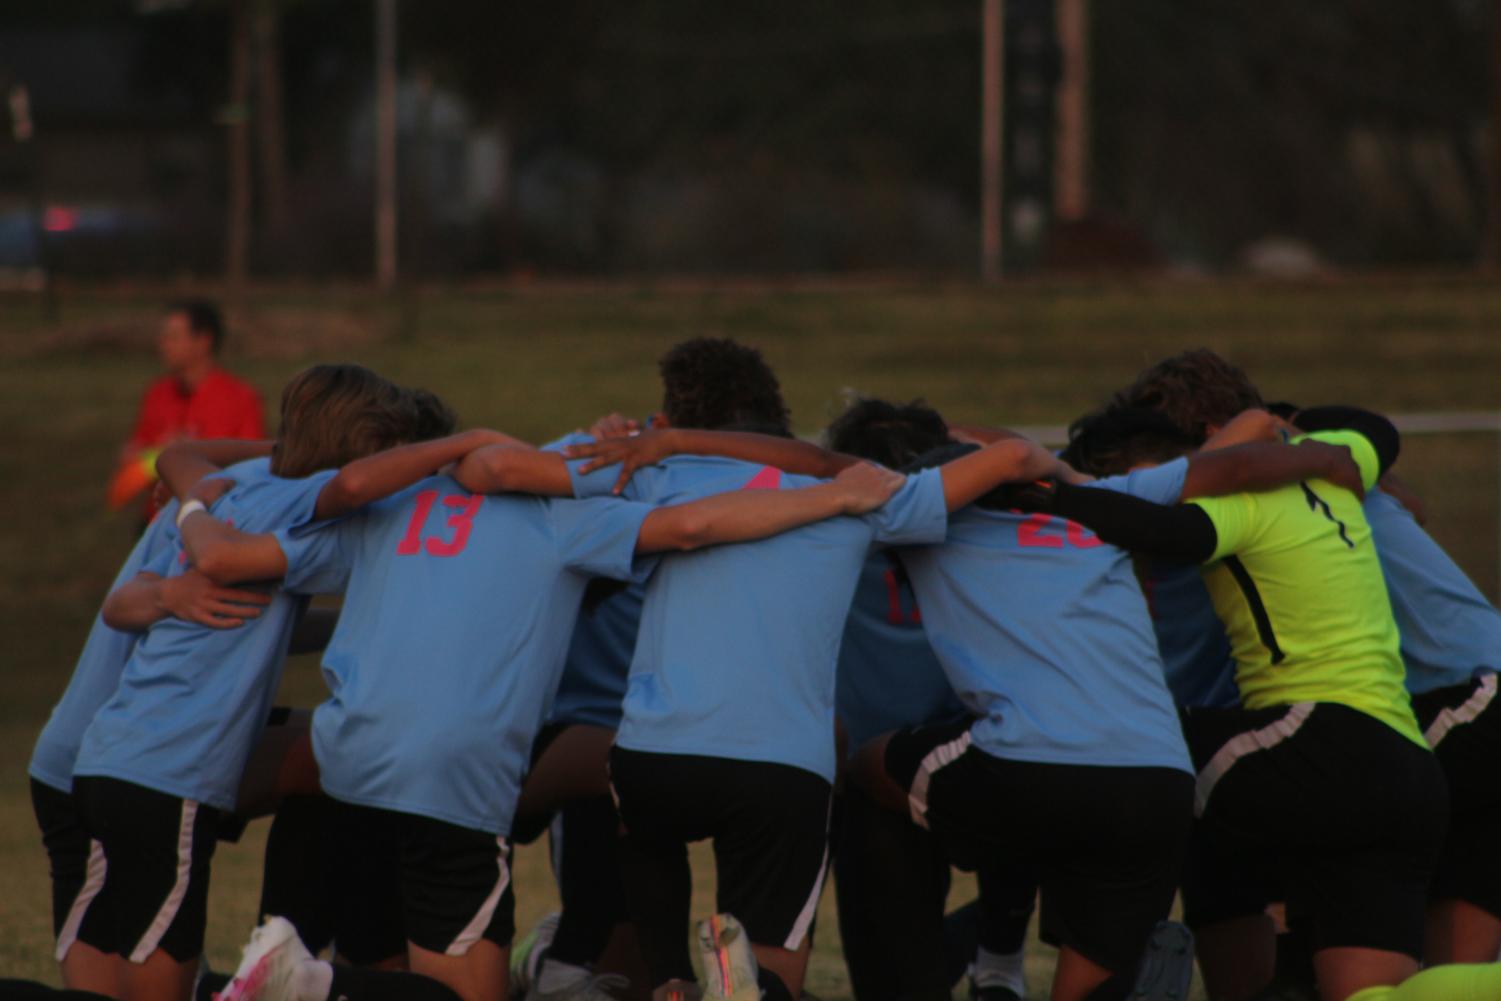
1380,432
1181,532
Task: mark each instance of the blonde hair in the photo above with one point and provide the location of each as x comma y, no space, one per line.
333,414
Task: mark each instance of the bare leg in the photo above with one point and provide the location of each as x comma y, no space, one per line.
1076,977
789,964
160,978
1346,971
572,767
622,955
85,968
1460,932
478,975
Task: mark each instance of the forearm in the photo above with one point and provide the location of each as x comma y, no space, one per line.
227,555
498,469
738,516
182,464
1259,466
1245,427
135,605
979,434
1182,532
971,476
787,454
1380,432
375,476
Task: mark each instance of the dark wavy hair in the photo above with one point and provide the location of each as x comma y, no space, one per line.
715,384
1196,390
892,434
1113,440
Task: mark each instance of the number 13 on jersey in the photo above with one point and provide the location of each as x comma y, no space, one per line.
465,506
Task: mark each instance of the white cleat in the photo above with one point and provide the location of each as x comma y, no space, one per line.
730,968
268,965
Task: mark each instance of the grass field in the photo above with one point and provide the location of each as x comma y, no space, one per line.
539,360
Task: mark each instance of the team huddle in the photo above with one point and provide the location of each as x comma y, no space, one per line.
1208,650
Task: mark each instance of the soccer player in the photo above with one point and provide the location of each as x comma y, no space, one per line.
162,758
1325,765
433,715
194,399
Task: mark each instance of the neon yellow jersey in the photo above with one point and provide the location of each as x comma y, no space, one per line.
1295,579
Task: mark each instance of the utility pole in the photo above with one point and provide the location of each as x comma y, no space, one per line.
1071,164
385,143
992,113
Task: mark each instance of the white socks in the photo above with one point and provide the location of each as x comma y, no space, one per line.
994,969
557,976
313,981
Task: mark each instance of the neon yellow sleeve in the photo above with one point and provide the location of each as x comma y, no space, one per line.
1234,518
1361,450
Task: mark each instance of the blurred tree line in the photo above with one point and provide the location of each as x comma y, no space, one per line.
662,135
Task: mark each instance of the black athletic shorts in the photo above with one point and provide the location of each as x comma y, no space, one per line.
69,851
1463,726
455,881
1322,806
769,823
334,873
156,852
1105,843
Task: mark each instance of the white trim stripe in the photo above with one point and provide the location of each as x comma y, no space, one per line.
1245,744
93,882
810,907
1479,700
168,911
939,757
475,929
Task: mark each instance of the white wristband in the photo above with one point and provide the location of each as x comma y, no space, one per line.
189,508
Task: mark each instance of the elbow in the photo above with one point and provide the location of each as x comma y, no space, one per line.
214,562
486,472
344,491
689,532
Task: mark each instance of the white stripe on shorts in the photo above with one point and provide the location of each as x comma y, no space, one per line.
1476,704
938,757
475,929
163,920
93,882
1243,744
805,916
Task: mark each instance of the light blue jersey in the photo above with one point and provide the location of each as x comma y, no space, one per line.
1045,635
1190,636
738,643
193,700
1449,631
98,670
599,655
456,620
888,675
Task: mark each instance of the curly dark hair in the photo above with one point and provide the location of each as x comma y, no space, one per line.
712,383
889,433
430,416
1112,441
1196,390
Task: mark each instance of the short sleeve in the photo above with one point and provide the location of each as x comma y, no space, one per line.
1159,484
642,486
319,560
305,504
159,562
598,537
1234,519
1361,450
916,514
571,438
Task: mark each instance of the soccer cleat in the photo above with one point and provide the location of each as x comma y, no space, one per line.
678,990
730,968
526,955
268,964
1167,965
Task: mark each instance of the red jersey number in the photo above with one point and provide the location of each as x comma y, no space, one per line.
1032,534
461,521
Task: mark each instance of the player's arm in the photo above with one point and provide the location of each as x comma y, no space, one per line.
182,464
1245,427
380,475
1405,495
740,516
519,468
1182,532
650,447
228,555
1268,465
1010,460
979,434
135,605
1380,432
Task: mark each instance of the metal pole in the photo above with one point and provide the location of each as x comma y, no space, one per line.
385,143
1071,178
992,112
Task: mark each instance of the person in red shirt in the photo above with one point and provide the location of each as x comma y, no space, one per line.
195,398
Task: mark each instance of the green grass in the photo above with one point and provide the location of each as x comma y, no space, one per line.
539,360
